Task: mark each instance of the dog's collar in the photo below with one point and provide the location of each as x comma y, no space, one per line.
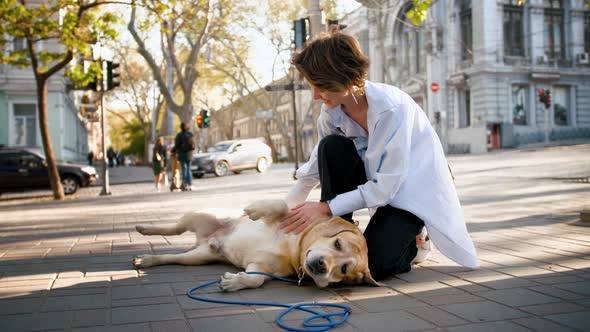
300,275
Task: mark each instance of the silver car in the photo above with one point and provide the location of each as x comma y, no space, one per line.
233,155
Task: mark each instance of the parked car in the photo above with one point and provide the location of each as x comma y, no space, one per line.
22,170
234,156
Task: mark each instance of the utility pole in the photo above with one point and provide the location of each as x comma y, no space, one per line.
105,168
295,135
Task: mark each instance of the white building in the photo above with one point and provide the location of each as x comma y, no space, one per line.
488,59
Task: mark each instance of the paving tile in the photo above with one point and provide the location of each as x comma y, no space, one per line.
388,322
388,303
51,320
577,320
556,292
482,311
19,306
21,322
61,303
243,323
553,308
582,288
540,324
94,317
139,291
427,289
450,299
142,301
489,327
143,327
148,313
517,297
170,326
436,316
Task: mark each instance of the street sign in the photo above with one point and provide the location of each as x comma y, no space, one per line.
286,87
434,87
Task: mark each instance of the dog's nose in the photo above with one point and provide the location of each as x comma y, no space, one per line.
318,266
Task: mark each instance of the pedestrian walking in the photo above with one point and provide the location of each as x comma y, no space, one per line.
159,163
90,157
111,156
184,145
377,150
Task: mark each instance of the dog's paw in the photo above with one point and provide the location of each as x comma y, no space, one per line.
265,209
255,210
231,282
142,261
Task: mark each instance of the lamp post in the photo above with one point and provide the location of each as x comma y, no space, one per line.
292,73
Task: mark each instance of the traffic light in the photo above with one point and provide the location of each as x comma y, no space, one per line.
542,96
205,115
300,35
112,75
200,120
547,98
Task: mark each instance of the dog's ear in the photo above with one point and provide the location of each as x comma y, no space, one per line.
337,225
368,279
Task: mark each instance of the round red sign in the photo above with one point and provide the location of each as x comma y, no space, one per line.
434,87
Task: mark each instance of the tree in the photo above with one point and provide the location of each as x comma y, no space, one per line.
68,28
186,27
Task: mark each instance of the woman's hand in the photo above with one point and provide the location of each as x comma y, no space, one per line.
302,215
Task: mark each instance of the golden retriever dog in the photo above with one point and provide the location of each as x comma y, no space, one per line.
328,251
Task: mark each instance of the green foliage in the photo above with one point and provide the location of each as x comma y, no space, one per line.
55,32
417,14
128,137
135,138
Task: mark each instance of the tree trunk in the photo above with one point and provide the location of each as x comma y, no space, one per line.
54,179
146,145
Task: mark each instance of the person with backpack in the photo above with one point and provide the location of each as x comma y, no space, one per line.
184,145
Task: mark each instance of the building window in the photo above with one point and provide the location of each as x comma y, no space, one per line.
465,111
513,28
24,125
19,44
559,98
466,30
554,31
519,104
409,39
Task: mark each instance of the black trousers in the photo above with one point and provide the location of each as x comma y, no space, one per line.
391,233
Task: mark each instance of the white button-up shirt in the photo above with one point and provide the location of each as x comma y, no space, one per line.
405,167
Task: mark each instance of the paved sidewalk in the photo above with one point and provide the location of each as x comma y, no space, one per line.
66,266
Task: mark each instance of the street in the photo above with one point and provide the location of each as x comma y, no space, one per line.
66,265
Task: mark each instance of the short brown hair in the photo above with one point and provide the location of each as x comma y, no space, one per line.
332,62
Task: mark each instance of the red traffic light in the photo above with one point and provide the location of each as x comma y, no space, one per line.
199,120
541,92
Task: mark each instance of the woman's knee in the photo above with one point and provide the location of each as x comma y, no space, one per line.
336,144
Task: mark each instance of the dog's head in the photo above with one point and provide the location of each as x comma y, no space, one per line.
335,251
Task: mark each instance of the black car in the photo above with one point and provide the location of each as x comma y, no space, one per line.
22,170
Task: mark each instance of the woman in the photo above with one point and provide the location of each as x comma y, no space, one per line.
159,163
377,150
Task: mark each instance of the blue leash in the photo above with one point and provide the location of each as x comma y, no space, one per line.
312,327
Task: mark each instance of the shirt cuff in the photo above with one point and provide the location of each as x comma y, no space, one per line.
347,202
